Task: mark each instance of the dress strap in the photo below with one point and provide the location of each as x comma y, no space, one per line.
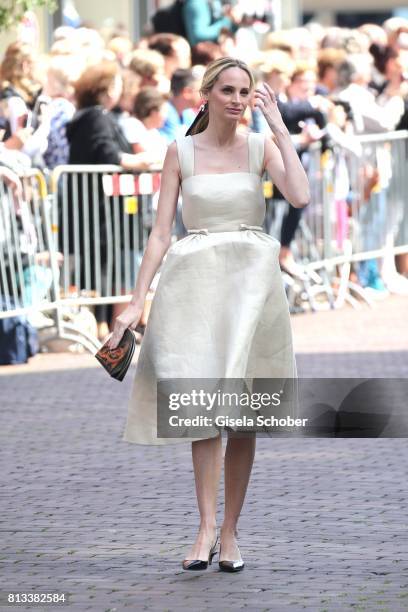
256,145
185,155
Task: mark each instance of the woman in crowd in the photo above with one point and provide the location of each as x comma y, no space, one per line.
141,129
149,65
95,137
61,74
25,125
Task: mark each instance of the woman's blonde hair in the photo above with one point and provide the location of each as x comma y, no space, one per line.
210,76
12,70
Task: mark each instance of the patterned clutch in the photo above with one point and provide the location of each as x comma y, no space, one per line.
117,361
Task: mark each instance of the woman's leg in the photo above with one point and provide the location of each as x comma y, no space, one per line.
207,462
239,458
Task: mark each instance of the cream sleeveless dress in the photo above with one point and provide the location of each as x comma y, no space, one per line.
220,309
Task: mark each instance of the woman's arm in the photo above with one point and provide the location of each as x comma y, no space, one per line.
160,236
157,245
282,161
137,161
285,169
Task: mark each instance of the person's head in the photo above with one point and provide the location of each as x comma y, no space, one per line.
387,60
227,83
185,87
18,69
276,68
279,39
303,82
357,69
150,107
340,113
121,46
205,52
303,43
62,72
148,64
65,46
100,84
328,62
174,49
374,32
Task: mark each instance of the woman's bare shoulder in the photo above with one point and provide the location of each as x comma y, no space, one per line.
172,160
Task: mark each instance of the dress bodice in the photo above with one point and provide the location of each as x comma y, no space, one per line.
221,202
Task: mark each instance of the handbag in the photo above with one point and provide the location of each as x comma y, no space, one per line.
117,361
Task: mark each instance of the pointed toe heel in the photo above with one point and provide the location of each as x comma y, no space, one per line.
200,564
231,566
195,564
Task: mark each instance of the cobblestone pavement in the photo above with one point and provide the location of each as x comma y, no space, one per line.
324,526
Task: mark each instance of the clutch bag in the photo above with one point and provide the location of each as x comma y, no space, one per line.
117,361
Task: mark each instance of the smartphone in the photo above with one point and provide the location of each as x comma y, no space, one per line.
40,103
24,121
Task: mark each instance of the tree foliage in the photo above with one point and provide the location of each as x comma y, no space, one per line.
12,11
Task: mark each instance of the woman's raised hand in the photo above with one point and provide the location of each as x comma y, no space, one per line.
129,318
265,99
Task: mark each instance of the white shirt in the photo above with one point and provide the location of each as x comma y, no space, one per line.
150,139
369,116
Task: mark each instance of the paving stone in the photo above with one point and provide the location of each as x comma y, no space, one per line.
324,526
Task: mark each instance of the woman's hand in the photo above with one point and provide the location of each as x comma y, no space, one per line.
129,318
138,161
19,138
265,99
12,180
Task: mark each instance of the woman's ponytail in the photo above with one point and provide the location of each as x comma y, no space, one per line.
200,122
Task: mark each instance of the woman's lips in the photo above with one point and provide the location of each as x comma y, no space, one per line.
234,110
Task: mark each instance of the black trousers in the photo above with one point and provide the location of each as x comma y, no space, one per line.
290,223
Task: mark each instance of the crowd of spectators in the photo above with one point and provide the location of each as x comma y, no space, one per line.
99,97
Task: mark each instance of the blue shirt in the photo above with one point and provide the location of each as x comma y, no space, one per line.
204,20
175,124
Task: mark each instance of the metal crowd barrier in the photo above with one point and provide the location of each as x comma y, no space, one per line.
337,231
27,278
77,246
101,222
80,244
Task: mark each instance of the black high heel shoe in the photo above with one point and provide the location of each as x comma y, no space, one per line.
231,566
199,564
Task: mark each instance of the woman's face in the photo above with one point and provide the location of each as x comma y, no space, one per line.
231,91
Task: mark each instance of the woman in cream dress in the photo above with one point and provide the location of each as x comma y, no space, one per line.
220,309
